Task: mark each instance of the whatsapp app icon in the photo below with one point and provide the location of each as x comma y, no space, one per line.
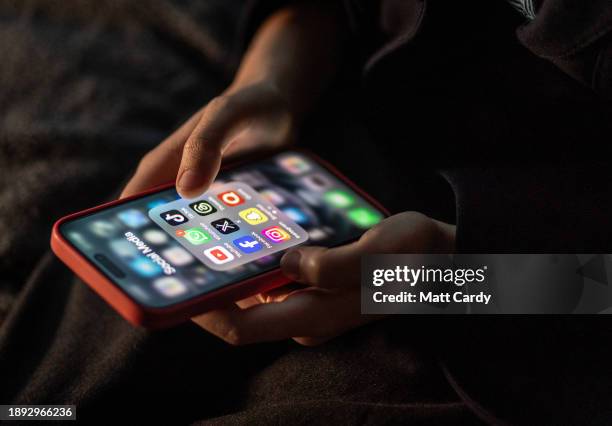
196,236
202,208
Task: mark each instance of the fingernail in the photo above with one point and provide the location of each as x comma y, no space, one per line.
291,264
189,180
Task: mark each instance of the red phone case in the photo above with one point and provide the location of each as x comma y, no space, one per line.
151,317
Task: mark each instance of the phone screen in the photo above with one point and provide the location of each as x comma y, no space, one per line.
162,249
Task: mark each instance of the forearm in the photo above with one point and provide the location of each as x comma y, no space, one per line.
297,50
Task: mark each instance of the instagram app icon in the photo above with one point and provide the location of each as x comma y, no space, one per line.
276,234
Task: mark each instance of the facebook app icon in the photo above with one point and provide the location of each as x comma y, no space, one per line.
247,244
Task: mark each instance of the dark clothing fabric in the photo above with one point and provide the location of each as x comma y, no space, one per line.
577,37
464,127
574,35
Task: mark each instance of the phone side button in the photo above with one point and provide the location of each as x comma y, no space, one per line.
110,266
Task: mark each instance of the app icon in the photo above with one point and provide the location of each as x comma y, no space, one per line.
253,216
294,164
200,275
364,217
296,215
272,197
173,217
102,228
138,292
123,248
152,204
133,218
202,208
251,178
145,267
225,226
316,182
177,256
339,198
196,235
155,236
316,234
78,239
169,286
247,244
276,234
219,255
230,198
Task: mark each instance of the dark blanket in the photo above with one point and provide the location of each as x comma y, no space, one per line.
87,89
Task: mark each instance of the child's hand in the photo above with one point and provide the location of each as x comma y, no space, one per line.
330,305
242,119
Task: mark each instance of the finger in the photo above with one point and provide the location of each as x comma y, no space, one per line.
313,341
338,267
245,143
324,267
279,294
203,150
275,295
248,302
308,313
161,164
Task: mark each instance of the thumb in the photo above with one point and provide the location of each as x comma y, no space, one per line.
324,267
407,232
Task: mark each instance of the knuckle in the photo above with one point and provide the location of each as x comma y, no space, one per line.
197,148
373,234
193,146
315,266
203,140
220,102
413,216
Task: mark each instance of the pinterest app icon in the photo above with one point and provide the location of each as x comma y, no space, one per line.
275,234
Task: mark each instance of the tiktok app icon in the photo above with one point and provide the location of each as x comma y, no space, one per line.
173,217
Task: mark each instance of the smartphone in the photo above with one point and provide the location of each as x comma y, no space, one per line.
159,259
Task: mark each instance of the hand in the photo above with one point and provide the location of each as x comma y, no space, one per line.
329,305
247,118
289,62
